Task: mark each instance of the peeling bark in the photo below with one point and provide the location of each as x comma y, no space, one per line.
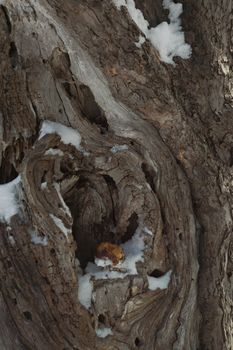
75,62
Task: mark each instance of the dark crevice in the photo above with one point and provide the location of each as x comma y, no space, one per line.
231,157
157,273
52,251
68,88
8,22
43,178
93,202
113,193
27,315
93,214
90,108
14,57
132,227
150,175
102,318
7,172
138,342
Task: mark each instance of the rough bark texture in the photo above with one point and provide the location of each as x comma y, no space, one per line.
75,62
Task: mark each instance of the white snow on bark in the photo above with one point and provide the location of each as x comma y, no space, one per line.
119,148
103,269
44,185
140,42
38,240
160,282
54,152
136,14
8,201
103,332
103,262
167,38
146,230
10,237
68,135
133,250
85,288
60,225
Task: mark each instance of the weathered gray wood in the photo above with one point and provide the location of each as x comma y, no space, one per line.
75,62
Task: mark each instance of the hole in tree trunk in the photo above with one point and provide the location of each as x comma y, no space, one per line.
13,53
101,318
27,315
7,172
138,342
93,202
157,273
150,175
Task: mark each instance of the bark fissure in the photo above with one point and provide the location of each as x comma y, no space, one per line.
155,157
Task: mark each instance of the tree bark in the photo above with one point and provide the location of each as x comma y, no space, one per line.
75,62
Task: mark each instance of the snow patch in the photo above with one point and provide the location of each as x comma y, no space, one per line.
104,268
140,42
103,332
167,38
44,185
54,152
146,230
60,225
119,148
160,282
136,14
38,240
68,135
85,288
8,201
133,250
103,262
11,239
119,3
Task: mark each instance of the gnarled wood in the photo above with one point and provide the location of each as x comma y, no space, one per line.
75,62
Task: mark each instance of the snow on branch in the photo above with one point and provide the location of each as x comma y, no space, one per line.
68,135
167,38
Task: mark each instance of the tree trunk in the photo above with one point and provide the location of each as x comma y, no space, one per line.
156,154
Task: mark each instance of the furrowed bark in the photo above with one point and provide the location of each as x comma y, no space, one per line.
75,62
